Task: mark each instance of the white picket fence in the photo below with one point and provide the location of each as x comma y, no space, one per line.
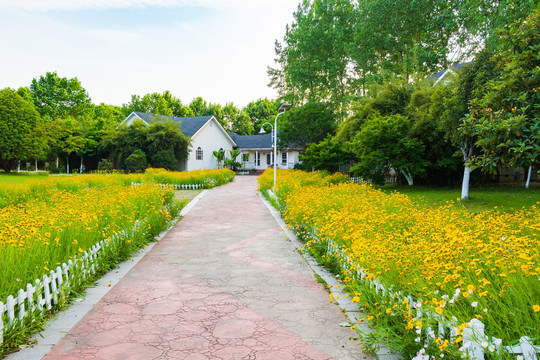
476,343
54,288
179,186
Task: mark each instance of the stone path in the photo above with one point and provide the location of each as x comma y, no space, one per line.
224,283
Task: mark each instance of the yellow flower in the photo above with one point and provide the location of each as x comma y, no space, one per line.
438,310
458,339
536,308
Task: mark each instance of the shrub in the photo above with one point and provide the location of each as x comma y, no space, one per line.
136,162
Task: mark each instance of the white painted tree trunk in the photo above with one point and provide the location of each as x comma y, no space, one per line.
35,163
67,164
465,184
57,161
528,182
81,166
408,176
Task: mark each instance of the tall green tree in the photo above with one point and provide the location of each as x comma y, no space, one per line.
59,97
306,124
506,119
259,112
385,143
158,104
313,58
325,155
19,122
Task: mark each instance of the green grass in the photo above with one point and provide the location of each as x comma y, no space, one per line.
20,178
504,198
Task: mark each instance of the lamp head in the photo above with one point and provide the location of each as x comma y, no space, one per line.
284,107
262,132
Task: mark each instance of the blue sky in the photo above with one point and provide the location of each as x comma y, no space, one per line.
217,49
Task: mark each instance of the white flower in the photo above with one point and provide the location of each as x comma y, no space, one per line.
485,310
418,331
467,344
519,357
436,292
417,339
497,342
432,334
484,344
503,238
445,296
451,301
474,304
470,292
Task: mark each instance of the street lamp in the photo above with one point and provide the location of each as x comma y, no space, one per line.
283,107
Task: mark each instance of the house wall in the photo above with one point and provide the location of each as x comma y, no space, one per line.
210,138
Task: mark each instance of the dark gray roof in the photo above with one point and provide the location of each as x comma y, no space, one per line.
188,125
455,66
252,141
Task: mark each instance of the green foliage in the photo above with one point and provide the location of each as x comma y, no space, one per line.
165,159
259,112
242,124
58,97
136,162
220,156
159,104
306,124
325,155
19,138
232,163
386,142
105,165
506,119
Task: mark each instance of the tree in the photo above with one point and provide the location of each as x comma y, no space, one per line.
165,135
58,97
232,163
385,143
18,123
220,156
451,104
136,162
259,112
506,119
242,124
158,104
313,59
306,124
325,155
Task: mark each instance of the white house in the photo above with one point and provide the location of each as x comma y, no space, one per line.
206,133
444,76
256,152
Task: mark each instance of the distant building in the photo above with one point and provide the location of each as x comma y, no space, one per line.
444,76
207,135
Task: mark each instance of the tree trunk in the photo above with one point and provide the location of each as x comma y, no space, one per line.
528,182
408,176
81,166
67,164
57,161
35,163
465,184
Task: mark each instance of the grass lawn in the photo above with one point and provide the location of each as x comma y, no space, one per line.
507,197
20,178
186,194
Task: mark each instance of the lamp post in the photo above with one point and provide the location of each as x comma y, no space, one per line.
283,107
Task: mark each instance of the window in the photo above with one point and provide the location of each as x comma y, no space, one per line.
257,159
245,157
268,162
283,157
198,154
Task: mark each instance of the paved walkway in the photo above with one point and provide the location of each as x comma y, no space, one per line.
224,283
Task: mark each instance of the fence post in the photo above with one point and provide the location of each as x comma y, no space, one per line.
21,296
30,290
529,352
474,334
2,308
47,292
10,304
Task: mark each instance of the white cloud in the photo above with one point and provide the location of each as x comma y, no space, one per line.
113,36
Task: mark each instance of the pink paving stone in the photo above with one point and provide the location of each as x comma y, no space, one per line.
190,343
108,337
232,352
196,357
234,329
128,351
121,309
162,308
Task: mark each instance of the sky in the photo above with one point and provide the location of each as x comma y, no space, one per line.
217,49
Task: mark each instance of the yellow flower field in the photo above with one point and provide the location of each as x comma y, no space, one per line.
462,265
